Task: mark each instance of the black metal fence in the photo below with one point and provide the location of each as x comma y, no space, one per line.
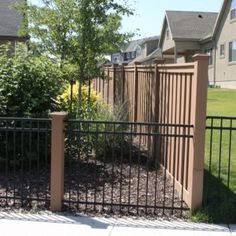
220,167
113,167
24,162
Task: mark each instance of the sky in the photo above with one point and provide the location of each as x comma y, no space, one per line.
149,14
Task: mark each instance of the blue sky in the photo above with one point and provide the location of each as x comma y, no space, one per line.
149,14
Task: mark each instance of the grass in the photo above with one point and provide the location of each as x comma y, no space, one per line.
219,200
221,102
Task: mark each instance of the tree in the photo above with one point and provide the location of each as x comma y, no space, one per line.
78,32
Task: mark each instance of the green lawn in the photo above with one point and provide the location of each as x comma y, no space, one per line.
220,173
221,102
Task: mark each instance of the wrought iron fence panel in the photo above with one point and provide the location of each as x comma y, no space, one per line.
116,168
24,162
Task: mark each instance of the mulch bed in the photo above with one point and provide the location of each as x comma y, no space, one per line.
96,187
25,189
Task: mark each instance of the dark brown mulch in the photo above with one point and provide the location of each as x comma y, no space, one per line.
25,189
96,187
118,189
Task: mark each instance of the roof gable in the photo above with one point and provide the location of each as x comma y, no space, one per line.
220,16
163,30
132,45
190,25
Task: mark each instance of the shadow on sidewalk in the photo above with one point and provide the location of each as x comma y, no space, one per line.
103,223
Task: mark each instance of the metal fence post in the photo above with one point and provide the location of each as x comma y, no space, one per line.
198,119
57,160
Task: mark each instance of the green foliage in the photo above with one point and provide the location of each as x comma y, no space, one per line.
78,32
90,101
28,84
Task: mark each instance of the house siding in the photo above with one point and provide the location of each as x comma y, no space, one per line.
167,43
225,71
211,68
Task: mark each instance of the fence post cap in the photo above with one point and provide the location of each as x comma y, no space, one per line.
198,57
61,114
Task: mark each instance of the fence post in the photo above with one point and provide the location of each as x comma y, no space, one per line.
157,89
57,160
157,139
198,119
113,95
123,82
135,101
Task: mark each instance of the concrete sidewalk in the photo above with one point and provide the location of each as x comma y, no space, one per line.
60,225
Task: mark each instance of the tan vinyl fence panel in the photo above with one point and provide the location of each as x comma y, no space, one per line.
167,94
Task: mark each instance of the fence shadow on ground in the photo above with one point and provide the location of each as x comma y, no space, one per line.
219,201
25,189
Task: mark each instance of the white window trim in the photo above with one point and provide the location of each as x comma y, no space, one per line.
231,62
232,9
223,55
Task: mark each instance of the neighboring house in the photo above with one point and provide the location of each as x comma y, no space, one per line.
10,22
183,32
186,33
136,50
223,71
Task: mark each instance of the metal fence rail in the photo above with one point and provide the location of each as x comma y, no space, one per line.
24,162
220,164
113,167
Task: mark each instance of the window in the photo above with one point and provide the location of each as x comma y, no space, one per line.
222,50
233,10
209,53
138,51
128,55
232,51
133,54
167,33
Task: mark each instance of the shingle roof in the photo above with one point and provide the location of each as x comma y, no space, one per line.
155,54
191,25
10,19
132,45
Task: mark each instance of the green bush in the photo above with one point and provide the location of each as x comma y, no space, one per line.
29,84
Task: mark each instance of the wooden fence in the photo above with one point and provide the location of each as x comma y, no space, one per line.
167,94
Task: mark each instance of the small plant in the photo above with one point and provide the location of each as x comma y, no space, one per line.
90,102
214,86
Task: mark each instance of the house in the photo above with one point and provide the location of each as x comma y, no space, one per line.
10,22
183,34
223,70
186,33
136,50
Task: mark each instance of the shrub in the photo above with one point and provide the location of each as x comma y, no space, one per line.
29,84
89,102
